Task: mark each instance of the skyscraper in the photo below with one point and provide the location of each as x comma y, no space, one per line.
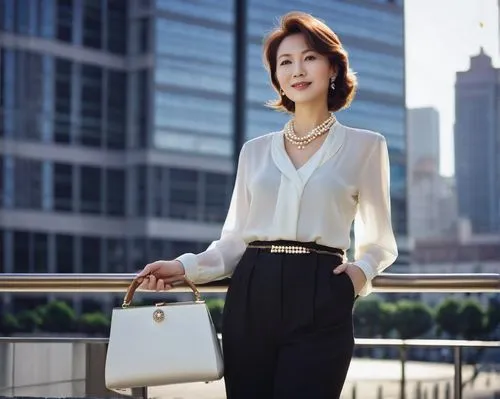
431,198
116,137
423,136
477,144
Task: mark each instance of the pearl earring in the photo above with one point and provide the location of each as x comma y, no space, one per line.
282,92
332,82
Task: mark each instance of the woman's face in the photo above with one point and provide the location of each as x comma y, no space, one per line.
303,74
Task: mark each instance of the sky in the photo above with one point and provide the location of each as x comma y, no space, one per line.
441,36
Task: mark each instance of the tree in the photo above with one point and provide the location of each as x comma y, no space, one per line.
57,317
493,318
472,320
9,324
447,316
412,319
29,321
387,312
94,323
368,316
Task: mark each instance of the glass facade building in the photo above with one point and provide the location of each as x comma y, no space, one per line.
116,121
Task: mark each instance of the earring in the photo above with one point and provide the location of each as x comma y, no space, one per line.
332,82
282,92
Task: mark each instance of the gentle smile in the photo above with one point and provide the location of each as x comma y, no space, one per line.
301,85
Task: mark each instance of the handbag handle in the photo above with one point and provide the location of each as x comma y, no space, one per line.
136,283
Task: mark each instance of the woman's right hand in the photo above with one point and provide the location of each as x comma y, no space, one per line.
161,275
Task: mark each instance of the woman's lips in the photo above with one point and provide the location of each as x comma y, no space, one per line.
301,85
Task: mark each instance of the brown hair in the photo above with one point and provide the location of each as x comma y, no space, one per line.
321,39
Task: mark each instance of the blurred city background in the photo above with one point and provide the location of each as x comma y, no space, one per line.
120,124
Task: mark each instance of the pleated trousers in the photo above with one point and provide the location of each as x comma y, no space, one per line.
287,325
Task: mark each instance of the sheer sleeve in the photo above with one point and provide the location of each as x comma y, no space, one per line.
221,257
375,244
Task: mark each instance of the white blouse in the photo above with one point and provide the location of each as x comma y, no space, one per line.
345,181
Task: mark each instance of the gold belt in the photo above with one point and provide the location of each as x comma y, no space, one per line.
293,249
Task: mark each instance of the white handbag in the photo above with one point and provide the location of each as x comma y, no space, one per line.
162,344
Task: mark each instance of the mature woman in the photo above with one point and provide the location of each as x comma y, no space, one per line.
287,327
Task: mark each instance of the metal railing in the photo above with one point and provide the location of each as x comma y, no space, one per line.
114,283
386,282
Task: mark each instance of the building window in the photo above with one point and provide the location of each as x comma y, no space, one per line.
183,194
91,249
40,251
141,190
92,23
21,252
63,187
181,247
91,106
27,184
160,195
142,41
115,192
62,95
116,110
116,32
217,194
2,252
1,184
64,17
64,254
142,108
22,20
115,256
46,18
139,258
158,249
90,189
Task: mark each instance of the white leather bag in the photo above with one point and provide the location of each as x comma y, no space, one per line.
162,344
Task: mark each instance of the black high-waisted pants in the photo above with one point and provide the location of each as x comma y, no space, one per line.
287,326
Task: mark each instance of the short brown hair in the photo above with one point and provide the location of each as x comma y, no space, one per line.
321,39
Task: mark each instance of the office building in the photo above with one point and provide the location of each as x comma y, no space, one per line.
117,134
477,148
431,197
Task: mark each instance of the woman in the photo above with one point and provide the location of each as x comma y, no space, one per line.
287,326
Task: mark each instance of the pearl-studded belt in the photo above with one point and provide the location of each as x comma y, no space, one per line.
296,248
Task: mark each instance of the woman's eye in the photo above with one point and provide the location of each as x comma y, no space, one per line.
310,57
284,62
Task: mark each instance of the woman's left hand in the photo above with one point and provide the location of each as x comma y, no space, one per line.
355,273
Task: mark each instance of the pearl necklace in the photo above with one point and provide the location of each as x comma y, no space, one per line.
302,141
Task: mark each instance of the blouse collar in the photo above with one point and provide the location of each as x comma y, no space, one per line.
332,144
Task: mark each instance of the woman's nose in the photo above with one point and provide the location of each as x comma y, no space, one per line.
298,69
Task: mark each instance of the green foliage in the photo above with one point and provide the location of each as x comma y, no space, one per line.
368,316
9,324
412,319
29,320
493,317
388,310
57,316
373,317
447,317
95,323
472,318
216,308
